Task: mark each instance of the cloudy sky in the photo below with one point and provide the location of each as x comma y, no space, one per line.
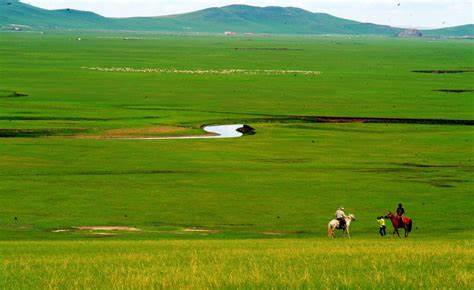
404,13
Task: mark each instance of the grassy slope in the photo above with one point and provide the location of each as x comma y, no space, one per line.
13,12
278,20
237,18
239,187
463,30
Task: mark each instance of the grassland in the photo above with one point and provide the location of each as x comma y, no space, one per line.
283,264
264,200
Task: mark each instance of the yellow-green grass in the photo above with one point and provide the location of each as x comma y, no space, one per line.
244,264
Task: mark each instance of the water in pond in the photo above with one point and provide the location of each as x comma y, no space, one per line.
219,131
224,131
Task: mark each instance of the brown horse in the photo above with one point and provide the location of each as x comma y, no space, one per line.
406,224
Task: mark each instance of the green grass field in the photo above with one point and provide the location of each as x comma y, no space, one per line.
250,212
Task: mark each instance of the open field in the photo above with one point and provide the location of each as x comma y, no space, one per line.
254,210
276,264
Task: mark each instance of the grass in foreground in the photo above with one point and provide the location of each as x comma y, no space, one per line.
221,264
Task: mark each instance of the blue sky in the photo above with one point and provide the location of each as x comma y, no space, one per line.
403,13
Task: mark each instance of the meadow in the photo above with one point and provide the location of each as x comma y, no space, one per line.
250,212
241,264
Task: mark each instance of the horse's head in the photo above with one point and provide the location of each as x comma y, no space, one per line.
352,217
389,215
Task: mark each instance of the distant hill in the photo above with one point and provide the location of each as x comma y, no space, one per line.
15,13
236,18
457,31
277,20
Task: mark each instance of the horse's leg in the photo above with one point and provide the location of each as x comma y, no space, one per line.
396,232
347,232
331,233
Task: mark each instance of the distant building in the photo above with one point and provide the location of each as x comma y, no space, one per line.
410,33
229,33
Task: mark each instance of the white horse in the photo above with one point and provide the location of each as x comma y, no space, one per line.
334,225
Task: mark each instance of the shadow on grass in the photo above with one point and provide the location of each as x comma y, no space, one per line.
33,133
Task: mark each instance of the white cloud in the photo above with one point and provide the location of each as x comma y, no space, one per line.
407,13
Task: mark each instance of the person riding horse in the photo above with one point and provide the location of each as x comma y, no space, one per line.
341,218
400,213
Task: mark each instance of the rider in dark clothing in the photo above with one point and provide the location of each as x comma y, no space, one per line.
400,212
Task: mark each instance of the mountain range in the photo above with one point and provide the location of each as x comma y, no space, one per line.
236,18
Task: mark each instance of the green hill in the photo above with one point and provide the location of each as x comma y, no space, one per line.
278,20
238,18
14,13
458,31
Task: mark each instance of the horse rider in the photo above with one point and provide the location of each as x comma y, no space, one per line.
341,217
400,213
